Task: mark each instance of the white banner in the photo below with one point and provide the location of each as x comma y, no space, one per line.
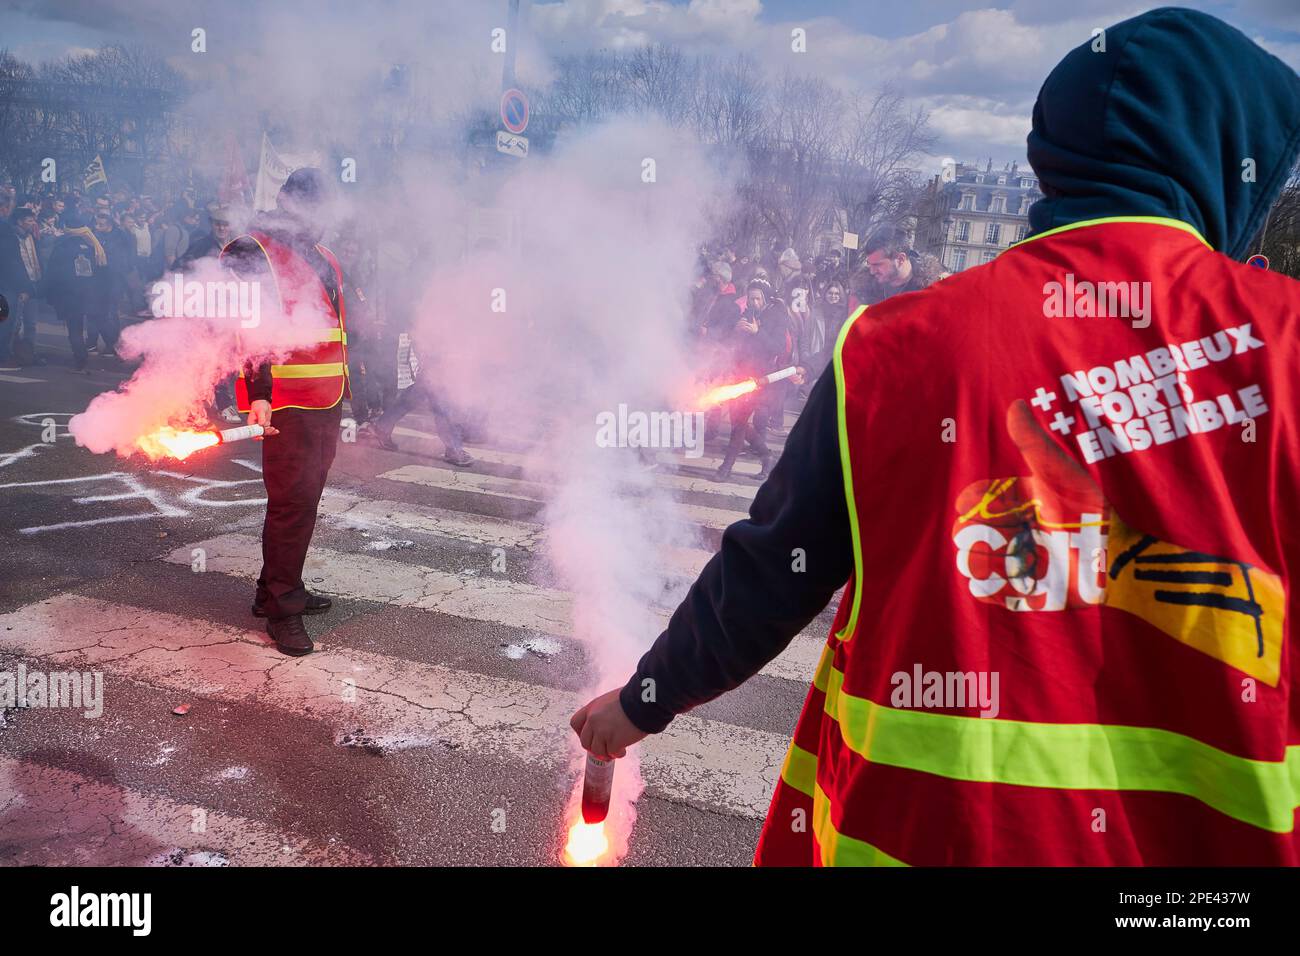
273,169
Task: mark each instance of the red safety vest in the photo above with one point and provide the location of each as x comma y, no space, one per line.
1071,648
315,375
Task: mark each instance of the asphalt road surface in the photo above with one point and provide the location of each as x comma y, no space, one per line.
430,726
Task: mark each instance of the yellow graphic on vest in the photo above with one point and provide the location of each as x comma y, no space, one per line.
1228,609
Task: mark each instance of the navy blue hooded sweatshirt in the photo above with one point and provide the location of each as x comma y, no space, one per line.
1182,116
1159,124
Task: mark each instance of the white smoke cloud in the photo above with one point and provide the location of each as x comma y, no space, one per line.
594,274
196,339
593,318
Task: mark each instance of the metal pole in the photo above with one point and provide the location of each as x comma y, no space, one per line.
512,28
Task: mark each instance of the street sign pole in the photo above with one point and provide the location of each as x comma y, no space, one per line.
512,39
514,104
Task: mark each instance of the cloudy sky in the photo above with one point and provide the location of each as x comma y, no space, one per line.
976,66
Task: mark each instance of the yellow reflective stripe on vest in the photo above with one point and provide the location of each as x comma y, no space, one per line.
326,370
1105,220
300,339
838,849
800,769
825,664
840,394
322,335
1262,793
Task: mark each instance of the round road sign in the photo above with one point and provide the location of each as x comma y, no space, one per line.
514,111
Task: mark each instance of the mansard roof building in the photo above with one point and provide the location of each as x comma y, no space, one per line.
969,215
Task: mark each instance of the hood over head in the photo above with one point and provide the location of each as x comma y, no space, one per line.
1163,123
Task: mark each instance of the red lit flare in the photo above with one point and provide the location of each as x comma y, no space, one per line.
587,844
725,393
168,442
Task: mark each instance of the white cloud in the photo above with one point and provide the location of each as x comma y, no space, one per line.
961,125
1288,53
1101,12
44,50
1282,14
979,71
581,24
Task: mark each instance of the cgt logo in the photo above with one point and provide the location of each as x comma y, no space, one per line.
1040,543
1027,554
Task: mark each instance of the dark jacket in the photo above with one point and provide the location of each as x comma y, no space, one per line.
13,273
719,318
204,246
70,275
1137,131
759,353
110,278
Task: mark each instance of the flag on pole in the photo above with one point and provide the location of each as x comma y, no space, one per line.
273,169
95,173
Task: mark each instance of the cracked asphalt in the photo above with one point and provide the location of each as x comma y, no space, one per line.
430,727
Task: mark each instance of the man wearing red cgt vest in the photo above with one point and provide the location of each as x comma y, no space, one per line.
1060,490
303,391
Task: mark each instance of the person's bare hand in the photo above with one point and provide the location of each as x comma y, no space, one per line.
603,727
259,413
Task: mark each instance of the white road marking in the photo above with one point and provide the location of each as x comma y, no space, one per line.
38,419
721,766
466,481
535,465
9,457
165,502
484,597
55,817
519,490
363,577
712,463
345,510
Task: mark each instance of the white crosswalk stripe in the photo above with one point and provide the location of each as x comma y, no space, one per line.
663,479
349,511
58,815
477,597
399,703
452,700
520,490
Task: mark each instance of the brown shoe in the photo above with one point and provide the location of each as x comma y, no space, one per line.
290,636
316,604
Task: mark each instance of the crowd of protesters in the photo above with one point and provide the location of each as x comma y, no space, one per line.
754,315
88,261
